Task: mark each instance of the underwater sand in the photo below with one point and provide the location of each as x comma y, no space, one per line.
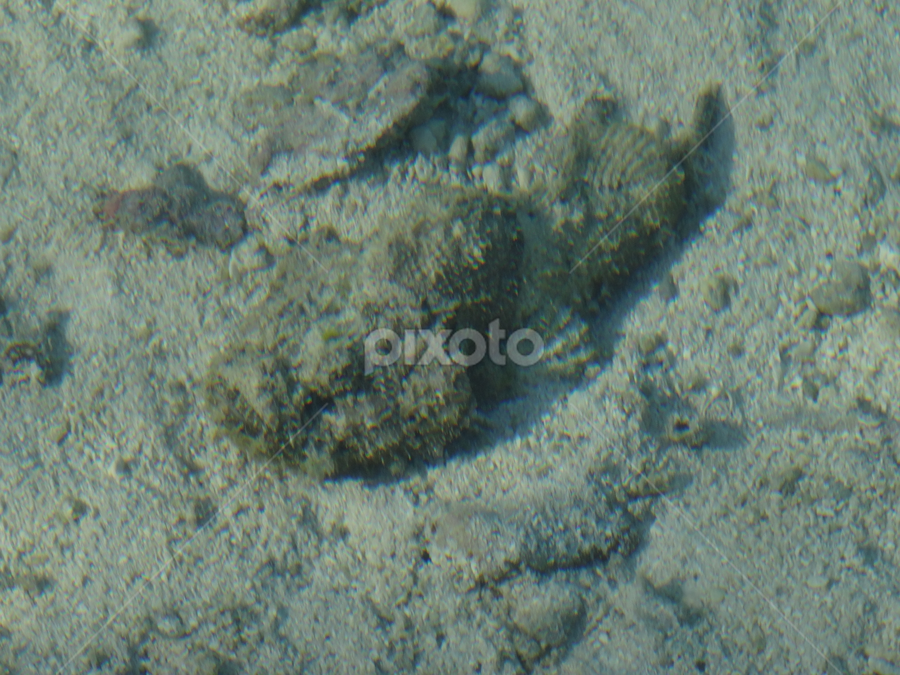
133,538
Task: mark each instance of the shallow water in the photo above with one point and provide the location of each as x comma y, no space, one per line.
208,467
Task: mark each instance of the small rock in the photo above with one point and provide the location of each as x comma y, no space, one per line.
498,77
717,291
468,11
459,151
888,256
668,288
299,40
58,432
875,188
737,349
250,255
805,352
524,175
266,17
810,389
546,616
808,318
525,112
650,342
845,292
687,428
170,625
786,479
134,35
816,170
184,188
73,509
478,539
426,21
889,325
491,138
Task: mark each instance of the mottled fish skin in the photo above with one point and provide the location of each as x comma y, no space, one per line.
185,188
218,223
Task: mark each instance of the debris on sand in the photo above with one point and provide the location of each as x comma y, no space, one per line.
341,110
178,206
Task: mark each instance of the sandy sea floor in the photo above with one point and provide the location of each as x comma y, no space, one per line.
134,538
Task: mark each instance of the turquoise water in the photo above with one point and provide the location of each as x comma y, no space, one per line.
447,338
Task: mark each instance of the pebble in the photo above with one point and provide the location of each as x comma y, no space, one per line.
808,318
546,615
523,174
815,169
266,17
525,112
874,189
170,625
668,288
888,256
817,581
58,432
717,291
468,11
299,40
889,325
845,292
491,138
498,76
133,35
426,21
72,509
459,151
648,343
